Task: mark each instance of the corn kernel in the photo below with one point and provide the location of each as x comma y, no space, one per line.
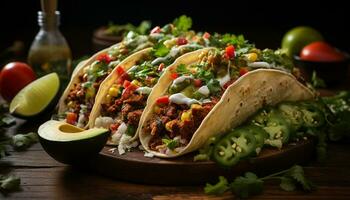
196,106
113,91
108,98
136,82
186,116
70,104
252,57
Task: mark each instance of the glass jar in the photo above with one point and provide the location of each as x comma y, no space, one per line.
49,51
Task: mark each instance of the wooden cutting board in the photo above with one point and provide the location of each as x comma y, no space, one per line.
134,167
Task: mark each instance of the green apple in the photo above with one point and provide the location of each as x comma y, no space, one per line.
295,39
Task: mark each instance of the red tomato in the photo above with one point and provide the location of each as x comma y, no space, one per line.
122,78
243,71
230,52
174,76
120,70
104,57
71,118
206,35
197,82
163,100
13,77
181,41
161,67
114,127
128,91
126,83
321,52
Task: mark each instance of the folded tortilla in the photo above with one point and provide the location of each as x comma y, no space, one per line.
240,100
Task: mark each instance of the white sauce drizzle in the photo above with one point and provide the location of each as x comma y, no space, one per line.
180,98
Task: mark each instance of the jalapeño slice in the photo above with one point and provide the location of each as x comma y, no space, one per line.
278,129
235,145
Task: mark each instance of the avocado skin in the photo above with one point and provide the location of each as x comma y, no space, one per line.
74,152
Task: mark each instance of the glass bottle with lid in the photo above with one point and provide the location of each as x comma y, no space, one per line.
49,51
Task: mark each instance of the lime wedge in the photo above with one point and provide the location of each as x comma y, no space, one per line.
36,96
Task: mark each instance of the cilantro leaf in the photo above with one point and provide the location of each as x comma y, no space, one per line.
217,189
247,185
9,183
23,141
160,50
287,184
171,144
297,173
181,69
183,23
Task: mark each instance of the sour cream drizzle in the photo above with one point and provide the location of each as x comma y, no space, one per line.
180,98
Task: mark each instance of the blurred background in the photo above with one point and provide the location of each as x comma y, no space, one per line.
262,22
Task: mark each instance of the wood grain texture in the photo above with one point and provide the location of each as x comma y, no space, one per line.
44,178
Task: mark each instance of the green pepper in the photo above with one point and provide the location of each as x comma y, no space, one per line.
260,134
261,116
292,114
234,146
313,117
278,129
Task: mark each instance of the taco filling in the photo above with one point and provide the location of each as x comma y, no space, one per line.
196,89
81,96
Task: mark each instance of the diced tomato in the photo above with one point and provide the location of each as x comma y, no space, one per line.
126,83
181,41
128,91
230,52
197,82
226,85
104,57
71,118
174,76
206,35
114,127
120,70
243,71
163,100
161,67
122,78
155,30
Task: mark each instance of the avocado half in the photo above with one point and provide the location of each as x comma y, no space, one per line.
69,144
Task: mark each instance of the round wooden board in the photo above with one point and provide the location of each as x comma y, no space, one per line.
134,167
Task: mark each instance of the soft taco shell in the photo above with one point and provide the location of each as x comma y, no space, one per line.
243,98
108,82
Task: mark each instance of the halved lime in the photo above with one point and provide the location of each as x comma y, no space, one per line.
36,96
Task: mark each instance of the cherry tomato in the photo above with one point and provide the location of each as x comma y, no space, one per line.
206,35
321,52
128,91
13,77
113,127
126,83
71,118
122,78
230,52
163,100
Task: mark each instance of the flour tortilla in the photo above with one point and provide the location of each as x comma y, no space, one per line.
108,82
243,98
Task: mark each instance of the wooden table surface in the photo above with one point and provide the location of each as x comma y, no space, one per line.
44,178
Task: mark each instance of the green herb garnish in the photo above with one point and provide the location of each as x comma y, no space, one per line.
171,144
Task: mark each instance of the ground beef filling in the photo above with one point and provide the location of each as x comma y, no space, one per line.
167,122
128,110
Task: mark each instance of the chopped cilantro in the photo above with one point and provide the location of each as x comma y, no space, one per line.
183,23
160,50
181,69
171,144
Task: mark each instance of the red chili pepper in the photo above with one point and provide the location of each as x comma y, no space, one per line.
161,67
156,30
206,35
226,85
230,52
243,71
181,41
71,118
174,76
163,100
126,83
104,57
197,82
114,127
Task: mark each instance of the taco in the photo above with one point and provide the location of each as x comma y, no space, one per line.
79,97
208,92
